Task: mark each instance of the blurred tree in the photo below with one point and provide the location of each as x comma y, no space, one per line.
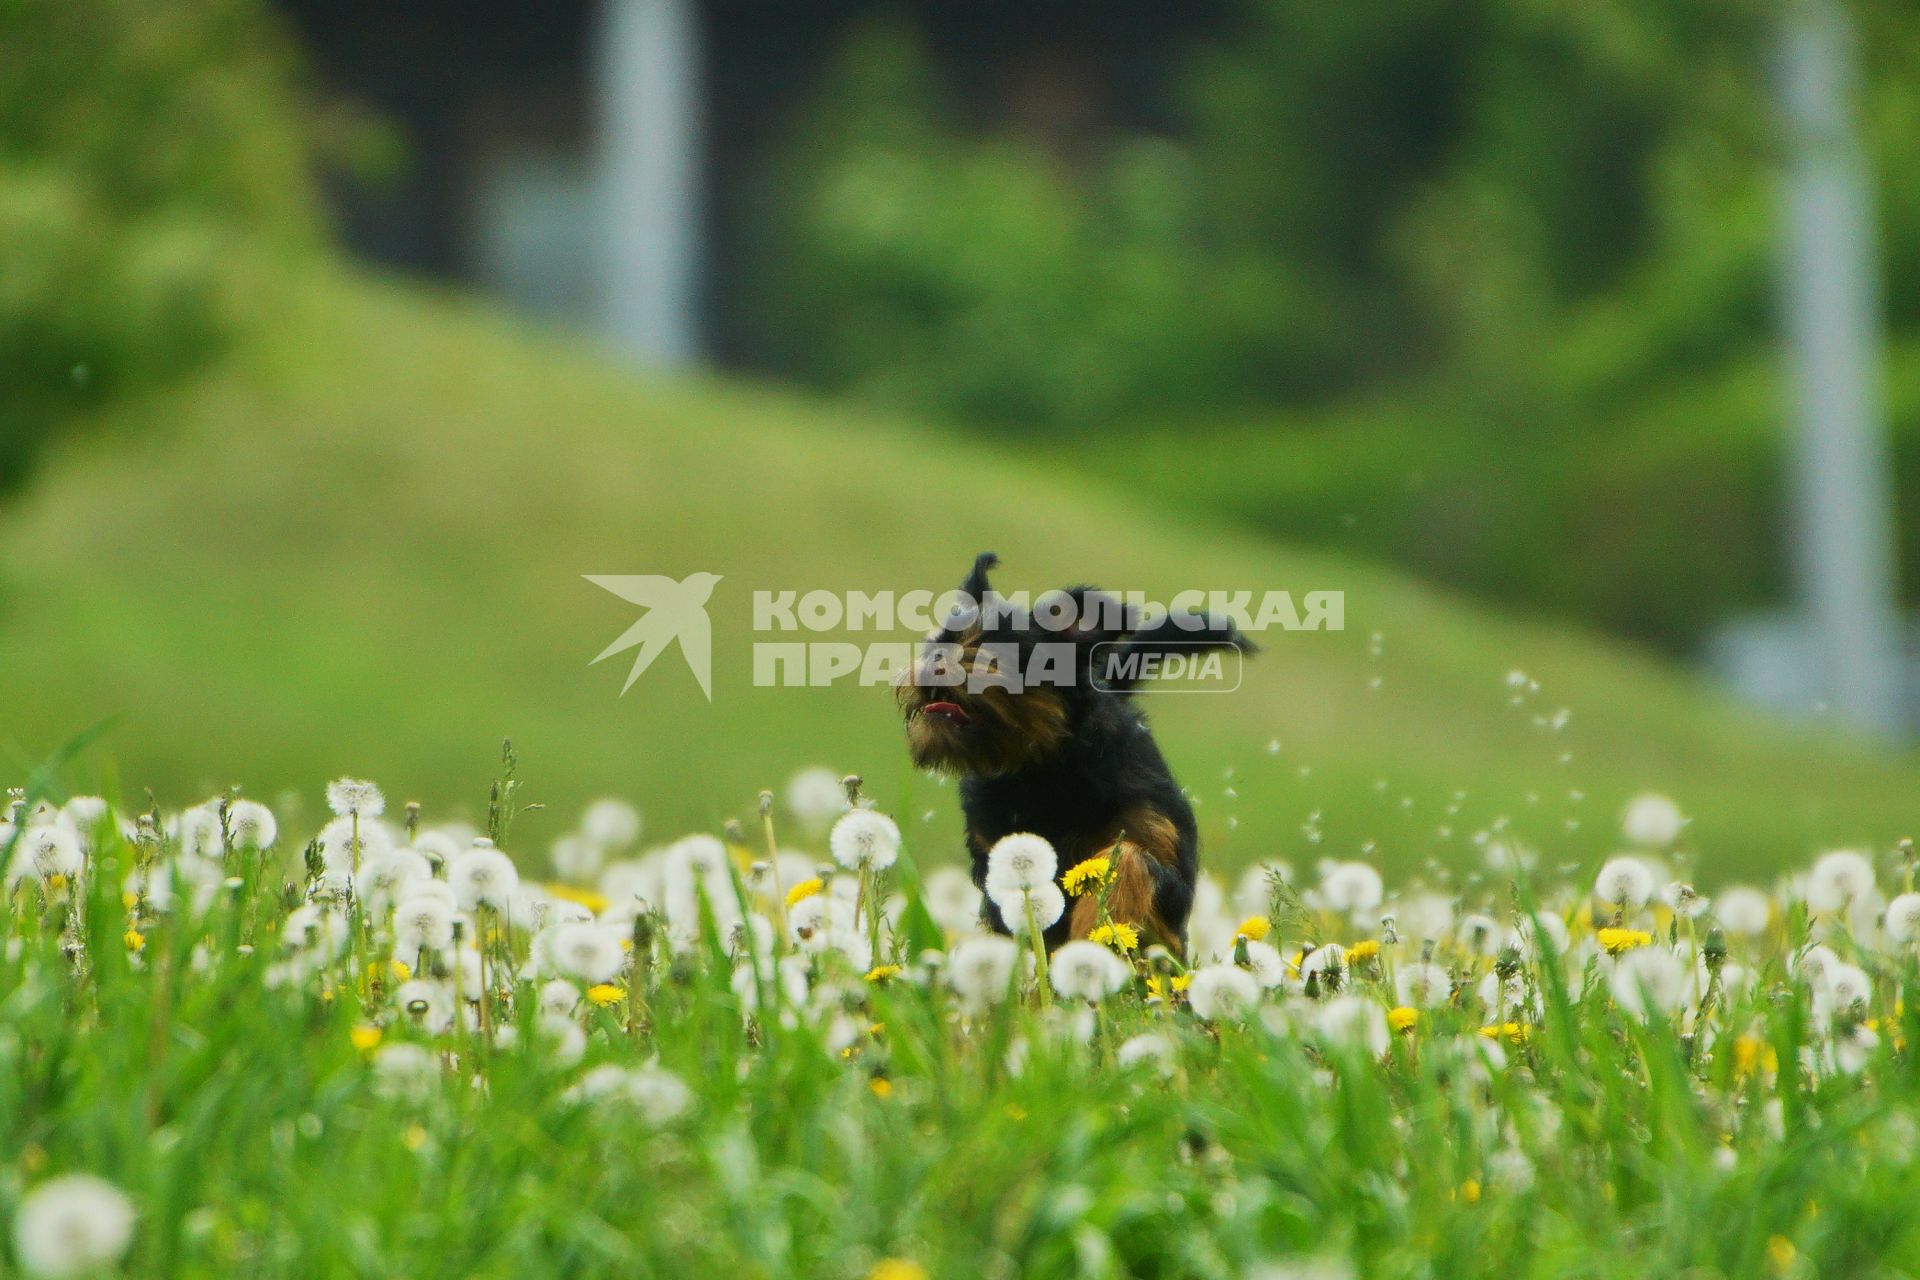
153,174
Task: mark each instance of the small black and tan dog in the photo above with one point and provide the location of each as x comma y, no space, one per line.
1066,755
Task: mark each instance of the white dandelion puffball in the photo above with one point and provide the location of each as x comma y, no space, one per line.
423,922
1350,887
586,952
1222,993
950,898
391,877
980,969
1624,881
46,851
660,1096
337,842
1842,988
73,1225
1327,963
1422,985
1149,1049
404,1071
1019,861
353,797
1903,918
1049,904
1652,821
252,825
865,838
197,832
816,797
576,859
1082,970
1648,982
1837,879
558,998
1743,910
611,823
1354,1022
483,877
1266,964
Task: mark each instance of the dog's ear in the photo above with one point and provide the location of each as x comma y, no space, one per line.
1097,618
1175,633
976,588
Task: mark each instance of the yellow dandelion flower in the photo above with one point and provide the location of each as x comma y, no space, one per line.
1780,1252
135,940
129,900
897,1269
1365,949
1514,1031
1162,987
1091,874
1254,929
56,881
415,1137
1470,1191
1617,940
1404,1018
1751,1051
883,973
594,902
365,1037
1118,937
881,1086
401,969
605,994
804,890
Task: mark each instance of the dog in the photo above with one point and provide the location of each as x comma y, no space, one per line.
1068,755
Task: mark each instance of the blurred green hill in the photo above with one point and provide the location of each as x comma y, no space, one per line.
355,544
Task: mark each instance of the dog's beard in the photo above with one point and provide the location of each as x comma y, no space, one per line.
992,731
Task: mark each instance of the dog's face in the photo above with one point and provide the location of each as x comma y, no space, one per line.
963,719
991,694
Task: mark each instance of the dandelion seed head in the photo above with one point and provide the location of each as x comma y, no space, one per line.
865,838
483,877
1084,970
72,1225
355,797
1222,993
1652,821
1019,861
1624,881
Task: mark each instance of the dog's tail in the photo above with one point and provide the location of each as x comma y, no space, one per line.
1125,665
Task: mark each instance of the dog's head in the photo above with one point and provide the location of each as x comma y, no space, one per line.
996,689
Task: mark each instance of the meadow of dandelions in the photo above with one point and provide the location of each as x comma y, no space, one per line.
381,1044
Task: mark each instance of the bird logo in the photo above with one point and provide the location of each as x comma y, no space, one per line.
675,610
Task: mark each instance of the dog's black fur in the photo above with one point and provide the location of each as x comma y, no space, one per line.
1070,760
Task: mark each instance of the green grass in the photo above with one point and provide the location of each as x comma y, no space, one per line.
358,547
249,1091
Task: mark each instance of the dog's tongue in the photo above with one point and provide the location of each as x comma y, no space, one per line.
951,710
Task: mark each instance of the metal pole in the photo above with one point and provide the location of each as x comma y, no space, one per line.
649,132
1843,502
